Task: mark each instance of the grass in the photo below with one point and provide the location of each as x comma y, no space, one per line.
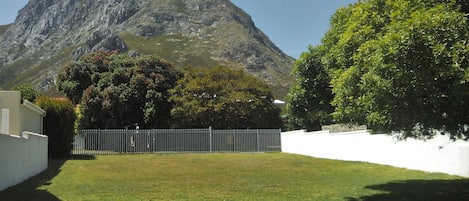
28,68
185,51
177,49
275,176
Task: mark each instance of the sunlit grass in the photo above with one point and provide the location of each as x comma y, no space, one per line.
275,176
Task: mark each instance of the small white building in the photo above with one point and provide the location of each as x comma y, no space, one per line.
23,150
19,115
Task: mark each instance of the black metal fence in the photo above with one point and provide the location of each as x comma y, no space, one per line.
118,141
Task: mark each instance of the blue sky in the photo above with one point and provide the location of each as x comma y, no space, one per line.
9,10
291,24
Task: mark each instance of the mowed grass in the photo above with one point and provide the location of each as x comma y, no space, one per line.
272,176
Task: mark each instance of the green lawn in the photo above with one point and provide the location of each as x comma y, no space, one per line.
273,176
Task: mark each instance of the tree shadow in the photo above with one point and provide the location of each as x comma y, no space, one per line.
419,190
28,190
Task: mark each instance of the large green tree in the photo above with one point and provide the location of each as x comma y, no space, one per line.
223,98
115,90
309,100
400,65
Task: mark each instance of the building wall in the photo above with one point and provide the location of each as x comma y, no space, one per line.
21,157
23,153
30,119
436,155
11,100
24,116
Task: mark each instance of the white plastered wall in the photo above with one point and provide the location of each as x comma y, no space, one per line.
436,155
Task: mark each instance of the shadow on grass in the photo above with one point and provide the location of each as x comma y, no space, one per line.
419,190
28,190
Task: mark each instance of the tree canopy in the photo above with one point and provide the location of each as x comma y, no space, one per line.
28,92
115,90
223,98
400,66
309,100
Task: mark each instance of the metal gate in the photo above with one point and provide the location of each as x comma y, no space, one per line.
118,141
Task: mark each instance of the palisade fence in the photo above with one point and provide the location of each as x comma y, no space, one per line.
119,141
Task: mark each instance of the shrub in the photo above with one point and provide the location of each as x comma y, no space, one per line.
58,125
27,91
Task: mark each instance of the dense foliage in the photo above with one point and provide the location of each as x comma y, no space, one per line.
27,91
58,125
400,65
223,98
115,90
309,100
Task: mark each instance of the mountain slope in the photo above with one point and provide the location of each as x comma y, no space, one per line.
49,33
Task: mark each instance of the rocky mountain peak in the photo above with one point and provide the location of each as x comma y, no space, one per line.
49,33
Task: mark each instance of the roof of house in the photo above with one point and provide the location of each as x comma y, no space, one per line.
34,107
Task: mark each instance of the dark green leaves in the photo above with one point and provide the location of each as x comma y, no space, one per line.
223,98
399,66
116,91
309,100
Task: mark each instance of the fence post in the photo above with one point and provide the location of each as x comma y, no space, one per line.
153,141
211,138
257,141
234,140
280,138
126,137
98,140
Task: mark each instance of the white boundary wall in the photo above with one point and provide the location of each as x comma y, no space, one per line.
436,155
21,157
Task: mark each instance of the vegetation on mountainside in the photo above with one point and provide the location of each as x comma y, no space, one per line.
181,52
399,66
31,68
176,48
3,28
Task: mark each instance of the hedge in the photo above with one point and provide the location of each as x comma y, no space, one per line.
58,125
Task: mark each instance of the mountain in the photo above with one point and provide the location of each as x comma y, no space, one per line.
202,33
